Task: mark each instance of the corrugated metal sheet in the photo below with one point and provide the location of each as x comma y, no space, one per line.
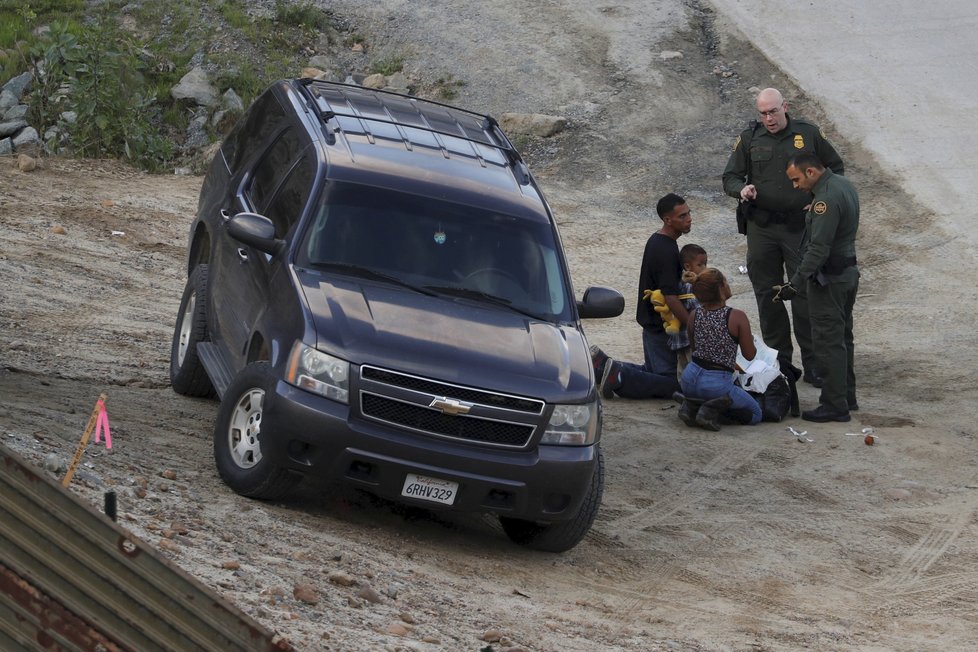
71,579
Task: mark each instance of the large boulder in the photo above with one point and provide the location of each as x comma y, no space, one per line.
196,86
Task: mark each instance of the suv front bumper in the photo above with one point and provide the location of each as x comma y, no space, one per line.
318,436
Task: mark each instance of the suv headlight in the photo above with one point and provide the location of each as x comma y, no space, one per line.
572,425
319,373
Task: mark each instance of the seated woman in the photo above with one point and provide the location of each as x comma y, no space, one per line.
715,330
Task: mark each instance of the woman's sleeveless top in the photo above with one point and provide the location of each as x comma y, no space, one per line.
714,344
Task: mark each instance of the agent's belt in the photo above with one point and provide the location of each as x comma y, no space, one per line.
783,217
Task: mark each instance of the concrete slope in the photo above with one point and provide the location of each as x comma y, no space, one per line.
900,77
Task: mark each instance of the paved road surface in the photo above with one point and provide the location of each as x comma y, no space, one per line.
900,76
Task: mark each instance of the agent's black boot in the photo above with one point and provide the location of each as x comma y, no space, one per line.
688,408
709,413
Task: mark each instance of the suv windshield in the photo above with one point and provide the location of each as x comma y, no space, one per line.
440,246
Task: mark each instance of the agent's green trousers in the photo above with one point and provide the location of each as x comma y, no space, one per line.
831,314
772,258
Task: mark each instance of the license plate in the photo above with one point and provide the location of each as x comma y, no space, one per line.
425,487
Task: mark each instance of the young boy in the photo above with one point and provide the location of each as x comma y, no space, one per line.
693,259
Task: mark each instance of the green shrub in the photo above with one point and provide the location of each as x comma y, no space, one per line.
97,76
388,66
303,14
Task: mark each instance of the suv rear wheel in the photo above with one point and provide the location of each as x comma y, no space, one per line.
187,374
238,437
560,537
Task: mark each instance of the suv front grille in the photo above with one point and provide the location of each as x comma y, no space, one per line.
406,401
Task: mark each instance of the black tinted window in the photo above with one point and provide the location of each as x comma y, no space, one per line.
272,169
260,123
287,204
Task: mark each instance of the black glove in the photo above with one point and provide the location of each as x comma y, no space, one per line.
785,292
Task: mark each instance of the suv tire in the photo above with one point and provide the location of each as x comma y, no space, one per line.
238,436
187,374
560,537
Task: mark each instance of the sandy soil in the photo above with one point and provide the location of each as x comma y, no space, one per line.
742,539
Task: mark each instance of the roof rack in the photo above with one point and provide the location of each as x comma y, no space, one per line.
486,123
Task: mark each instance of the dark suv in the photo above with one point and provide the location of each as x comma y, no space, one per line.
377,293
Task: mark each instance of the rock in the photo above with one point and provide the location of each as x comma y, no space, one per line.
375,80
492,636
406,617
16,112
6,147
18,85
665,55
230,101
341,578
320,61
196,86
169,474
231,565
28,142
8,100
398,629
168,545
305,593
57,229
370,595
53,463
197,137
26,163
11,127
398,82
313,73
532,124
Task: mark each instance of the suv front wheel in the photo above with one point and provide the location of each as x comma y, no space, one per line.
560,537
240,433
187,374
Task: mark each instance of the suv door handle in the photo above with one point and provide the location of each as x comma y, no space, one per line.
225,215
243,254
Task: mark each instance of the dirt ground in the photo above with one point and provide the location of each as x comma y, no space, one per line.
746,539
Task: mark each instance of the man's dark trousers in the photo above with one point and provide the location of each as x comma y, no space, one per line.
771,250
831,313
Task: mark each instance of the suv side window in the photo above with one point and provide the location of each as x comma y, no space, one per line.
286,206
265,118
272,169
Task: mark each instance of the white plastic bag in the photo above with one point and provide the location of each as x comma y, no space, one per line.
760,371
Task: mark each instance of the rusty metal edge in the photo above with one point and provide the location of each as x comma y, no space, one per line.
115,584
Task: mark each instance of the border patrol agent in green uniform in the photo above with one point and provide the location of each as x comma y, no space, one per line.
829,277
776,218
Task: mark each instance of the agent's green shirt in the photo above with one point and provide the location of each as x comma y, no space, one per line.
830,226
760,157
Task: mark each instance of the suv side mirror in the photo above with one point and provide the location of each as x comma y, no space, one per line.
255,231
600,302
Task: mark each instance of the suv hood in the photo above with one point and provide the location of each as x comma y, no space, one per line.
452,339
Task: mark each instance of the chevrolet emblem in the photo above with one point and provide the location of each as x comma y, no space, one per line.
450,406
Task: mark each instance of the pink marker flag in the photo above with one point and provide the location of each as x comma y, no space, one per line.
103,424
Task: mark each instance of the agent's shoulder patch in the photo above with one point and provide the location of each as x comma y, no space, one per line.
820,207
736,143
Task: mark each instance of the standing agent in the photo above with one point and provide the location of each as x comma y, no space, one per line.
776,217
829,277
661,270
